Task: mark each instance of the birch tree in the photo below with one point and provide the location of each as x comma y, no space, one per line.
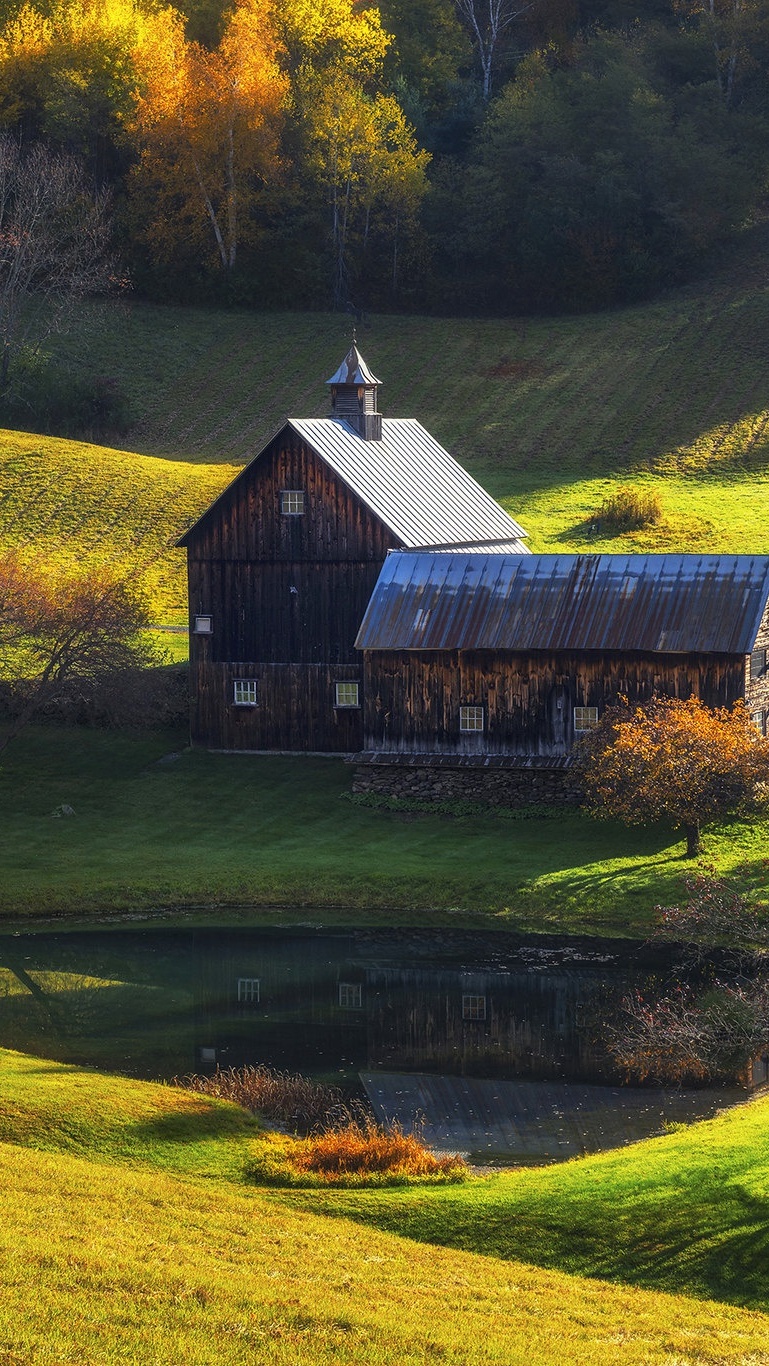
207,127
488,22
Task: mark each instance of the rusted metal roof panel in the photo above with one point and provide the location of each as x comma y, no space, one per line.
412,484
658,604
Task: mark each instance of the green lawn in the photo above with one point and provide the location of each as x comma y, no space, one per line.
689,1210
279,837
130,1235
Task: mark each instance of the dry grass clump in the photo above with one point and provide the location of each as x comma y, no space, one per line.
629,509
287,1098
365,1148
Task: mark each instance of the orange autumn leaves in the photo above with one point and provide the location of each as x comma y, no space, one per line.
673,759
286,114
207,128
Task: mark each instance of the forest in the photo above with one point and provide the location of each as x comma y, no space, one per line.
438,156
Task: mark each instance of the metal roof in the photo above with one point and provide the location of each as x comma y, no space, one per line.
659,604
411,483
353,370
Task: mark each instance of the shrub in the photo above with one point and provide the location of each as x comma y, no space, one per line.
284,1097
628,510
364,1148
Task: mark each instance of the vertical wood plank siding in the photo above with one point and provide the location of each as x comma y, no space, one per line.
757,684
412,700
286,595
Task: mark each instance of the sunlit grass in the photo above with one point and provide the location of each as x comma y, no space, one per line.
687,1210
274,836
128,1236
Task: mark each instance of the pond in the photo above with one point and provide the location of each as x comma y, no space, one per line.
496,1039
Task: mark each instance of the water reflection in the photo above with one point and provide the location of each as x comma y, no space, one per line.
156,1003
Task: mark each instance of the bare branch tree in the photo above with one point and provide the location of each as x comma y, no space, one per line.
53,244
488,20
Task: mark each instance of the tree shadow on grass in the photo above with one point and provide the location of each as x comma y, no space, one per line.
712,1249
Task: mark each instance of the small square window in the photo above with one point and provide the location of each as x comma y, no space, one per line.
350,995
585,718
759,721
757,663
203,626
248,991
471,718
347,695
473,1007
245,692
292,502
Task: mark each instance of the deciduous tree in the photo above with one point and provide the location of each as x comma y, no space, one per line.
65,638
674,759
207,125
53,244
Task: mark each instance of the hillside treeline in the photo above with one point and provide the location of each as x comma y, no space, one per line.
442,155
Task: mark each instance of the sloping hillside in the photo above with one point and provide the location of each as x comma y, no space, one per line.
117,1248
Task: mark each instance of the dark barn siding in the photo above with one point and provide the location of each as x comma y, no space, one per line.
757,677
412,700
295,710
286,595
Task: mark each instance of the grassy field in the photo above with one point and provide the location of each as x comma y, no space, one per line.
550,414
127,1212
279,837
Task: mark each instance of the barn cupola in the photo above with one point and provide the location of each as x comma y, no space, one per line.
354,396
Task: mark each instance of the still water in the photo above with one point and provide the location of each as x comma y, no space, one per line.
495,1042
156,1003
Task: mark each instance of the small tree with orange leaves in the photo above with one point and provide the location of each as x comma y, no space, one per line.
674,759
65,639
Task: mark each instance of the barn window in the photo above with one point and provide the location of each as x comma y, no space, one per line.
585,718
350,995
203,626
473,1007
758,663
759,721
347,695
470,718
248,991
292,502
245,692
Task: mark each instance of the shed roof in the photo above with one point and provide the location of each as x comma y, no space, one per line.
659,604
409,482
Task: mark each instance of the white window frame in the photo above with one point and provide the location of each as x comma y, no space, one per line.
293,502
350,995
245,692
249,991
473,1006
472,719
203,625
342,698
585,719
759,721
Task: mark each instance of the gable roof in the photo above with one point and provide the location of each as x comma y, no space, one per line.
659,604
420,493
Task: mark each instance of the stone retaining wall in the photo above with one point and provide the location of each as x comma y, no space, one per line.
492,787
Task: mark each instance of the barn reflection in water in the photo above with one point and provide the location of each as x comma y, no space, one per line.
469,1005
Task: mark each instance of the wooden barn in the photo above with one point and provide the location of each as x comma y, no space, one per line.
282,565
493,664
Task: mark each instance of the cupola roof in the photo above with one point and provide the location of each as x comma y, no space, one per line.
353,370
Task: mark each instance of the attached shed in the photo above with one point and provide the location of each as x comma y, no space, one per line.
500,661
282,565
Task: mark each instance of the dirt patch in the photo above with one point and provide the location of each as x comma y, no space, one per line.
506,368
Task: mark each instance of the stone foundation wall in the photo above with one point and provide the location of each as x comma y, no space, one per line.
490,787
